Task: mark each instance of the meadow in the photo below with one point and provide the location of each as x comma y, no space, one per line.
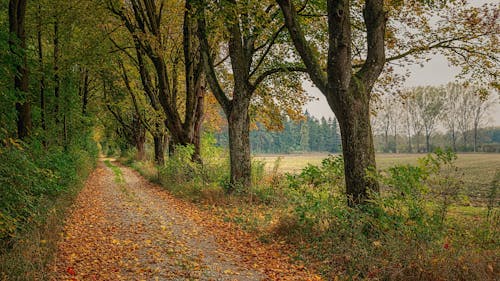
476,170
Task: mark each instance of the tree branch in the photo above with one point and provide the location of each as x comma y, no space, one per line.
312,64
269,72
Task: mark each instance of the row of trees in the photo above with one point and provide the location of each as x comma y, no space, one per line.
307,135
45,76
144,66
418,113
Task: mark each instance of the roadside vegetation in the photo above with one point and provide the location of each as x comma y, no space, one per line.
32,213
421,227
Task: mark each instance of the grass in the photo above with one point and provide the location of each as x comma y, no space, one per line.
478,170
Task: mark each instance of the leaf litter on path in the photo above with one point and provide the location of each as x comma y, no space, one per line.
135,230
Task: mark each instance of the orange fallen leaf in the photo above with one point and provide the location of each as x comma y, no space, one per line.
70,270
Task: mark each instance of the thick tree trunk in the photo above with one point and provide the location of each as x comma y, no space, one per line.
239,146
139,138
358,151
141,152
17,10
198,121
159,145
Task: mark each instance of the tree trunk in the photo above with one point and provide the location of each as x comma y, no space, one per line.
139,137
428,142
141,153
454,140
386,138
198,121
57,80
85,92
358,151
17,10
239,146
475,138
158,140
464,135
41,69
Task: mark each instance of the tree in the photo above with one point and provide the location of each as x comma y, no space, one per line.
347,94
480,106
304,136
347,77
452,110
17,43
152,41
255,47
429,102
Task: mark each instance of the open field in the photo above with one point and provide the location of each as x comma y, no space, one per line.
478,169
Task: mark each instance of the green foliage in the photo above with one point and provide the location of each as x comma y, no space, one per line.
29,175
411,210
330,171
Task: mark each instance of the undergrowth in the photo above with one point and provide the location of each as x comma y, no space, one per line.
412,230
37,186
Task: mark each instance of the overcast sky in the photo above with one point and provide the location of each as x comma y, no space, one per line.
435,72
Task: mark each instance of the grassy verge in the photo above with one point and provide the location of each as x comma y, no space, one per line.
38,190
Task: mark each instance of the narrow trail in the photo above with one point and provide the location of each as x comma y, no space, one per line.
122,227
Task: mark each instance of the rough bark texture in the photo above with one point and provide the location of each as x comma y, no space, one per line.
17,10
347,93
239,145
358,151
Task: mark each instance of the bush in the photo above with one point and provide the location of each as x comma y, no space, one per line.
29,175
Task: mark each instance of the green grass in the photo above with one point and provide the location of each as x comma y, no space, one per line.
477,170
118,172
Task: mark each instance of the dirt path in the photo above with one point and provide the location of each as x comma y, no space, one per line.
124,228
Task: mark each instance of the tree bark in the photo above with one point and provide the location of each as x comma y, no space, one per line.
239,146
358,150
159,145
198,121
17,11
139,135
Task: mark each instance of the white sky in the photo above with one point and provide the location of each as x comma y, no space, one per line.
434,72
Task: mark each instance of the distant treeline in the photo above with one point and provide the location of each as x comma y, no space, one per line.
488,140
308,135
322,135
